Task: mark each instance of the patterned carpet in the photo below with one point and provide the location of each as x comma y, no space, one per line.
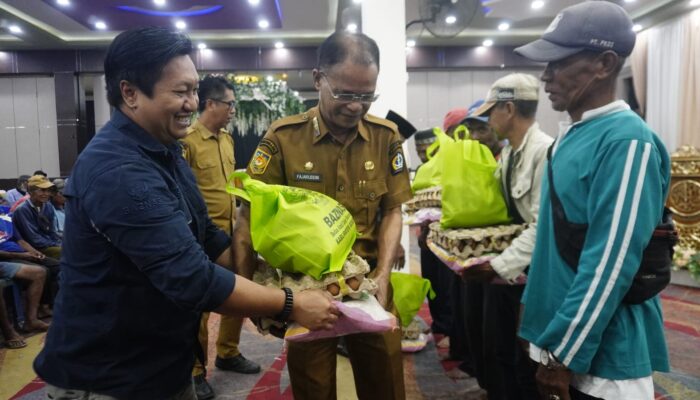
424,373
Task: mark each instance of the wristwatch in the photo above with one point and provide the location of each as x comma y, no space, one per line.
550,362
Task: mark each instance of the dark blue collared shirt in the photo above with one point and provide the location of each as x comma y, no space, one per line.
136,269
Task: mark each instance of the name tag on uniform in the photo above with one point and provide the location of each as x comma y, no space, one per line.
307,177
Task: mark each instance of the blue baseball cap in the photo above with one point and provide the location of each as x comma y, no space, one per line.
472,110
592,25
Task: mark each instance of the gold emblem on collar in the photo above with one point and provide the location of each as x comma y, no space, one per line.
317,129
369,165
309,166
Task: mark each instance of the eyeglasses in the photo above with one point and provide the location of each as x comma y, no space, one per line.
231,104
350,97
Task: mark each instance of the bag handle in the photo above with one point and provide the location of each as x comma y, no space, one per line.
442,137
233,189
461,129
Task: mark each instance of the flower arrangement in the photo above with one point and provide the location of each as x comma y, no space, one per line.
262,101
688,259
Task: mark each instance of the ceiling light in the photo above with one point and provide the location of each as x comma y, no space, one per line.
695,2
269,78
451,19
352,27
480,50
279,45
180,24
630,1
357,1
636,28
263,23
410,43
64,3
159,3
254,2
202,46
537,4
15,29
503,26
100,25
487,43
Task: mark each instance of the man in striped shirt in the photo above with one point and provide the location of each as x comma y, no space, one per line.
611,172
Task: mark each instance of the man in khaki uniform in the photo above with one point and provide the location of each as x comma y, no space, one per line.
339,150
208,149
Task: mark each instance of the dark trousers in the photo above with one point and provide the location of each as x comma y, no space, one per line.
462,304
503,368
576,395
440,278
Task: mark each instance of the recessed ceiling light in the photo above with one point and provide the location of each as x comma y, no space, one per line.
202,46
352,27
487,43
159,3
411,43
630,1
14,29
637,28
64,3
269,78
503,26
263,23
279,45
254,2
451,19
537,4
100,25
180,24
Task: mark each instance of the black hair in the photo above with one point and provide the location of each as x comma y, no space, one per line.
40,172
524,108
22,178
139,56
212,87
340,46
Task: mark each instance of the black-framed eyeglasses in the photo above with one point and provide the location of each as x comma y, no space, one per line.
350,97
231,104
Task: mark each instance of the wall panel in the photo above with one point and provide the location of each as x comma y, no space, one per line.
8,145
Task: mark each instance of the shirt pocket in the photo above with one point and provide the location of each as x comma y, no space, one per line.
206,171
368,195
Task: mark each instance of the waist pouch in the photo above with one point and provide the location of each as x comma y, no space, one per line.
654,271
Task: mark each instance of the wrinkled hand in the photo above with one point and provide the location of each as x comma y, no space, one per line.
399,258
314,309
382,282
483,273
423,235
553,382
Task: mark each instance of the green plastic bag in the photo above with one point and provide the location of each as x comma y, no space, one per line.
471,191
295,229
409,293
428,175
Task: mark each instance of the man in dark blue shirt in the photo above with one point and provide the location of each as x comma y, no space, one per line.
34,218
139,251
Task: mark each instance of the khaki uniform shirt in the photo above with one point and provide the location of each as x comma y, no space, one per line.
211,158
367,174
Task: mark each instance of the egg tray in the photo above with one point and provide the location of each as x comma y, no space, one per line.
424,198
474,242
351,281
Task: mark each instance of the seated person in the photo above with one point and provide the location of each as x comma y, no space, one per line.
34,276
19,191
33,220
58,202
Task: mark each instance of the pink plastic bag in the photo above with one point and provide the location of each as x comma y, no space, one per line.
356,316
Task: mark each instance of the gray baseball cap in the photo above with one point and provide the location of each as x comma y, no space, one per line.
591,25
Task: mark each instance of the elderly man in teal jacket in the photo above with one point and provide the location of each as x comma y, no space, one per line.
611,172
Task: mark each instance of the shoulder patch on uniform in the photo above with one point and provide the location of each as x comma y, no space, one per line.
397,163
394,147
268,145
259,162
381,121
